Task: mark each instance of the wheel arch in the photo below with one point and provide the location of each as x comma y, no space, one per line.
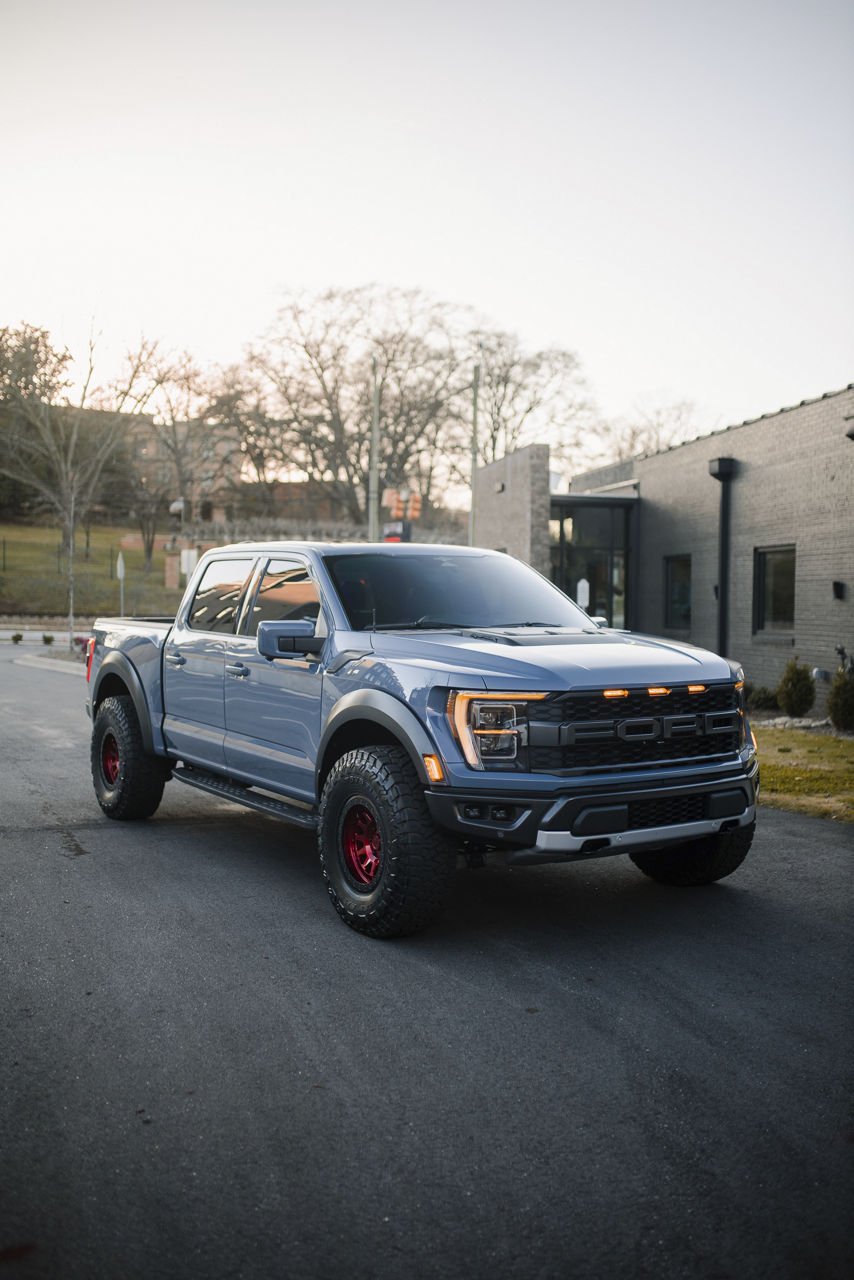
370,717
117,677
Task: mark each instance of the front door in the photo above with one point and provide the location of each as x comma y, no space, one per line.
273,706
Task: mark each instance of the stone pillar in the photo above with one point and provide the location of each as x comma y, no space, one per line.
512,506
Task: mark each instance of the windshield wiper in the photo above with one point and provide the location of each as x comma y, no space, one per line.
561,625
423,624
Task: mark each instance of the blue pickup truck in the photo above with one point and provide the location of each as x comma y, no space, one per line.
414,703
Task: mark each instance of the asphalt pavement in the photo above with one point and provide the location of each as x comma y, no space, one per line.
576,1074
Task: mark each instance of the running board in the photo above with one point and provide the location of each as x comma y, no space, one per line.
219,786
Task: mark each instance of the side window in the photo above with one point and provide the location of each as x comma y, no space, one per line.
286,593
677,592
217,600
774,589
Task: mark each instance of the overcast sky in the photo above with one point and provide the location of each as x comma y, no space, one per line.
665,187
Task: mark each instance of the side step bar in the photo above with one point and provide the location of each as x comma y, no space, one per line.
250,799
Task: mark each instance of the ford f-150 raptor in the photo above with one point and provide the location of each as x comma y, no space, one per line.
412,702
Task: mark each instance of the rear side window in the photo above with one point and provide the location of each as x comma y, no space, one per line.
217,600
286,593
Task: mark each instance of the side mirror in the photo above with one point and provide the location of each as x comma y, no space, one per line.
600,622
283,639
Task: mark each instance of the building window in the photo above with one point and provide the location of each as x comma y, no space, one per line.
774,589
677,592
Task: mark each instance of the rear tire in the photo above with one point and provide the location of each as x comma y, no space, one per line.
387,868
699,861
128,781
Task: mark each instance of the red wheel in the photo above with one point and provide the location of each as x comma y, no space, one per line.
387,867
361,843
128,781
110,758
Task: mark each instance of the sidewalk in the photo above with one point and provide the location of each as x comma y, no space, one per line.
70,663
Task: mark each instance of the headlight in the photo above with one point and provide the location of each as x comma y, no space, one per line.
491,728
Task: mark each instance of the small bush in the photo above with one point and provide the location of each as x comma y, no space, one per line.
796,690
840,702
17,637
47,639
761,699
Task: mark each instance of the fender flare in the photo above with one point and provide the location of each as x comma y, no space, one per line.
117,664
378,707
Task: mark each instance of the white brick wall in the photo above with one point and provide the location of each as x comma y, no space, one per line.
795,484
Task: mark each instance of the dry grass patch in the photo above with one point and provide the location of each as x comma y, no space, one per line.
806,772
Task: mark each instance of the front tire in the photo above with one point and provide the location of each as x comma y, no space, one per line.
387,868
128,781
699,861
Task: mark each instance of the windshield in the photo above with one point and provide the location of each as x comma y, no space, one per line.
387,590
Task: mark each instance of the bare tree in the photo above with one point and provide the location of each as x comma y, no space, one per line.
316,366
650,429
54,441
312,415
182,449
526,396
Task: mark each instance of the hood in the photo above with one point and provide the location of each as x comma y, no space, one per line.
551,659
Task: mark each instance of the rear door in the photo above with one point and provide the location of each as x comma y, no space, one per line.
272,707
194,663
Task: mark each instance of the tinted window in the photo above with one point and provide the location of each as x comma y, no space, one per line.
677,592
774,589
217,600
385,590
286,592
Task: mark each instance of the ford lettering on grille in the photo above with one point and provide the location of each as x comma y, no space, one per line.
648,728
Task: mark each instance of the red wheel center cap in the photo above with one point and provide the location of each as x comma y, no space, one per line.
361,843
110,758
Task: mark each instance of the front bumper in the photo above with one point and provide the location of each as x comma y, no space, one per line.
590,819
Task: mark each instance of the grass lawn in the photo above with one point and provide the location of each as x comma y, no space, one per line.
34,574
806,772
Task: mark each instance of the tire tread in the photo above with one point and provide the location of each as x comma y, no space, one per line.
423,857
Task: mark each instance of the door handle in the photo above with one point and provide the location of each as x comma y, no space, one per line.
237,669
175,659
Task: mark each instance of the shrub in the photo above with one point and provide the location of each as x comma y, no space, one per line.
47,639
761,699
17,637
796,690
840,702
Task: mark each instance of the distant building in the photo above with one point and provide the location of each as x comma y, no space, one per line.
204,462
741,541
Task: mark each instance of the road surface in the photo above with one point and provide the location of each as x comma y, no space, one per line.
577,1073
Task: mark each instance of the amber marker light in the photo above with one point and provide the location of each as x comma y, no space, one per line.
696,688
657,692
616,693
433,766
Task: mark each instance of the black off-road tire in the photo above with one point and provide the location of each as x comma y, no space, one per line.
698,861
387,868
128,781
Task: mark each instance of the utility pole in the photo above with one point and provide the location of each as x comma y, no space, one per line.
71,568
373,473
475,385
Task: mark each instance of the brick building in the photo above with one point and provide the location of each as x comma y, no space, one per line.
741,541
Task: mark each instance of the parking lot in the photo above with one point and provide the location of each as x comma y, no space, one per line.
577,1073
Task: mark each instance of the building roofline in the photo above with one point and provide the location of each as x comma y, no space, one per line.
719,431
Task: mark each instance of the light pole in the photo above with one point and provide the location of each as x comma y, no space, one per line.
475,385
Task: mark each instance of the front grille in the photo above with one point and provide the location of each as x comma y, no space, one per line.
554,719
